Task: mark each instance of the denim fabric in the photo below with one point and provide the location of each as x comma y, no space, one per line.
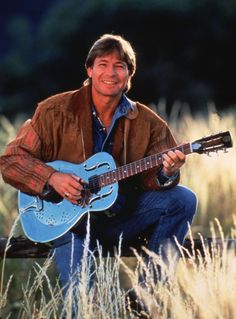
102,139
166,212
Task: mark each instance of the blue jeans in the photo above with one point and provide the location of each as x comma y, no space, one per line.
167,213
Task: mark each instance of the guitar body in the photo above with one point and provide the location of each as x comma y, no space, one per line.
43,220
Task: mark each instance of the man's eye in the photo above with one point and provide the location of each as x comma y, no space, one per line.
120,66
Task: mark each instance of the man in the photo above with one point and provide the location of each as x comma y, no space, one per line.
72,126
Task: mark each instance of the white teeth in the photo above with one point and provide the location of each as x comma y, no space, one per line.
109,82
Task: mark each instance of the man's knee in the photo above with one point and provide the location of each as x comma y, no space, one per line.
189,198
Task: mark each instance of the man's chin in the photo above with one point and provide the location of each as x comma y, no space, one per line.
112,93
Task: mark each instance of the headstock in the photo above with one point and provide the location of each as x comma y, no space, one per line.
213,143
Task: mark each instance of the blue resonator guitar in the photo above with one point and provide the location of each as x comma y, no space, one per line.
46,220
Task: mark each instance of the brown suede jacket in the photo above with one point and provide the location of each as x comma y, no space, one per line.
61,129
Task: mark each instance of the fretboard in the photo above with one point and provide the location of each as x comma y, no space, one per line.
138,166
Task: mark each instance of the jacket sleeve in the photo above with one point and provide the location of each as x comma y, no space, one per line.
21,164
160,140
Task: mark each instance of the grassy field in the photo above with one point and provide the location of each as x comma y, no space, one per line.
199,288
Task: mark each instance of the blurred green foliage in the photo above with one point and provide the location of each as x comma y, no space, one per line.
185,49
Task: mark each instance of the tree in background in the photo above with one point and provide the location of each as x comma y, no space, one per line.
185,49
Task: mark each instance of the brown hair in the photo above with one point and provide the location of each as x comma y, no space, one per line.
106,44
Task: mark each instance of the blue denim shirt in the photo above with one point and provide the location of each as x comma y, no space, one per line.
102,139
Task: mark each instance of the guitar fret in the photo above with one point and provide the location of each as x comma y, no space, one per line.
131,169
110,177
114,176
125,171
145,165
128,170
101,180
120,173
156,160
138,166
135,168
150,162
142,164
153,160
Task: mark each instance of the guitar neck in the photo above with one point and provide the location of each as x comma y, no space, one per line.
138,166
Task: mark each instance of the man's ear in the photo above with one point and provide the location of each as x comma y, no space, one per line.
89,72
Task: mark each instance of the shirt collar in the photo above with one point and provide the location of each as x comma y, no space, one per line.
124,106
122,109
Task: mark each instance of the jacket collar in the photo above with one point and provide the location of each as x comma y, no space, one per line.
133,112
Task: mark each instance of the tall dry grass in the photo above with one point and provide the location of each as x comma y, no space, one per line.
198,289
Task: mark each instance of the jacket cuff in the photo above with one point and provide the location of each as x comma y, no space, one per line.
163,180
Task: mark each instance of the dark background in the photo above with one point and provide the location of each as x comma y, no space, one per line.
185,49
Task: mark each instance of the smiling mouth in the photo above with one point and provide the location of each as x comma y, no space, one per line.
109,82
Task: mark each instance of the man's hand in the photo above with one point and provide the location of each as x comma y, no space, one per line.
172,161
68,186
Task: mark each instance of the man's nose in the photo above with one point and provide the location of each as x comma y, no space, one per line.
111,70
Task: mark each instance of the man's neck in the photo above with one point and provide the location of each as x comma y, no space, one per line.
106,106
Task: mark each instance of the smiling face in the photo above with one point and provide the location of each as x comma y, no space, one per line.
109,75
